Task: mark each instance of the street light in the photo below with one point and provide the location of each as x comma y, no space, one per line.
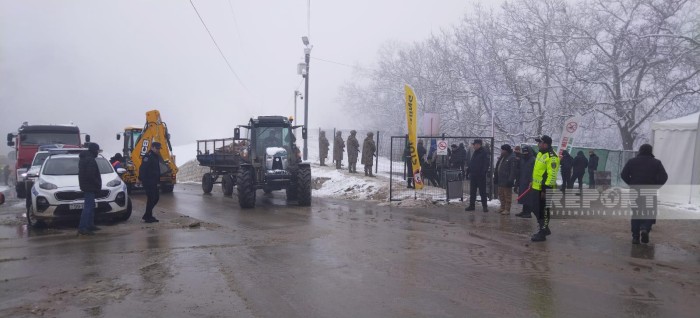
307,58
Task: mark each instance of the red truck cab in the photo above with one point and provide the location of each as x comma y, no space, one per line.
29,138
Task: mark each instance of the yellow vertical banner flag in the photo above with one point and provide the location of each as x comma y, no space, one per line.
412,122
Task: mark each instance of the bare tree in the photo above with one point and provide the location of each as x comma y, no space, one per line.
637,66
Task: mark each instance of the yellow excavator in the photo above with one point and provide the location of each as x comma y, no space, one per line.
137,142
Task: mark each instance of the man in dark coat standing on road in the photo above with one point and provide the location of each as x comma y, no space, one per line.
478,167
323,146
592,167
90,181
149,174
644,174
567,163
580,165
353,151
338,149
369,147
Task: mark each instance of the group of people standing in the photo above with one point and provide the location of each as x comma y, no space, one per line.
525,173
369,148
90,182
431,165
573,169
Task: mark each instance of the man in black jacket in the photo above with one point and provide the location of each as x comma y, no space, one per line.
580,164
478,166
644,174
149,174
90,182
567,163
527,198
592,167
504,176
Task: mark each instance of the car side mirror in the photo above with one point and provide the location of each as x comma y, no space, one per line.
121,171
119,136
303,133
87,138
236,134
31,175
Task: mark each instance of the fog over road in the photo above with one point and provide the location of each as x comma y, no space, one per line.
340,258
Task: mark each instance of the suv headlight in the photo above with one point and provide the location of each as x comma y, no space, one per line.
47,185
114,183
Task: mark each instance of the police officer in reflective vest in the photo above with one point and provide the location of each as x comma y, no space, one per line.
149,174
544,178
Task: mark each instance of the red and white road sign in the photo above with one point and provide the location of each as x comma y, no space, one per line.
442,148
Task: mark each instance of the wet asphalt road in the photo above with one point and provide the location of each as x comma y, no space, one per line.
208,258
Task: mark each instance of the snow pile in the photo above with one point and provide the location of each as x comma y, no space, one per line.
329,182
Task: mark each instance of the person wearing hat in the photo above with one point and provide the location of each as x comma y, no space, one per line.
544,178
353,151
90,182
645,175
505,177
149,174
338,149
323,146
369,147
525,197
478,167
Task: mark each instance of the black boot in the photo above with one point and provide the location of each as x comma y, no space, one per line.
470,208
486,208
645,236
540,236
635,240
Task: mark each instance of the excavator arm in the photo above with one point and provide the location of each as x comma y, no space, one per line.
155,130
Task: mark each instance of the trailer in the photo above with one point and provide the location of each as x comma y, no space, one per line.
223,159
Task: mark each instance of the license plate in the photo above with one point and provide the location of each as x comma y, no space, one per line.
76,206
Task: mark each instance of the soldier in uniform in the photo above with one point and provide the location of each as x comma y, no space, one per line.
353,151
369,147
338,149
149,174
323,146
544,178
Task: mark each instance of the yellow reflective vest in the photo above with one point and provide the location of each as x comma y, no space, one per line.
545,171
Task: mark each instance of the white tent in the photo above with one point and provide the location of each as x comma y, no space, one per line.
677,145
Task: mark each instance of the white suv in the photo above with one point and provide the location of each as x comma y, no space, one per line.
56,193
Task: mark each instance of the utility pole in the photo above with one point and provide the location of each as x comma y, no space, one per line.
307,58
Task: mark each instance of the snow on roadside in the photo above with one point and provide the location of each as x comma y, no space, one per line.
329,182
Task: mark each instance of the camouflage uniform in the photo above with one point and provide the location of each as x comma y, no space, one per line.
338,149
369,147
323,146
353,151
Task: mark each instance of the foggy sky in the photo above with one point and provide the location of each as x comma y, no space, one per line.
103,64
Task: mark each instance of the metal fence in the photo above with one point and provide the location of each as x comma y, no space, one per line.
608,160
438,176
